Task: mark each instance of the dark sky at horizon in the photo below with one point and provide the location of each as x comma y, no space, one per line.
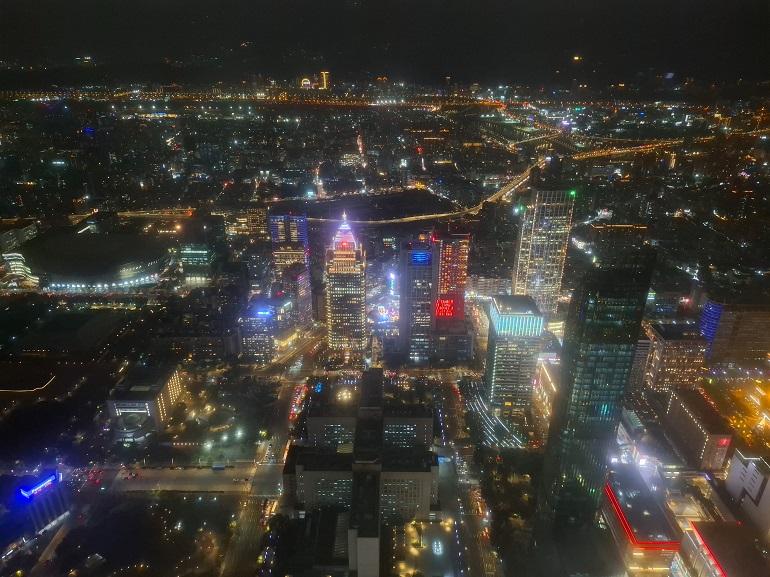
417,40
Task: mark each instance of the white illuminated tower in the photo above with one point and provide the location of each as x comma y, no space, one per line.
515,338
542,247
346,292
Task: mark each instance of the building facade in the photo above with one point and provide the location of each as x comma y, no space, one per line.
513,345
542,247
677,356
450,250
600,340
416,297
288,228
736,333
346,292
696,430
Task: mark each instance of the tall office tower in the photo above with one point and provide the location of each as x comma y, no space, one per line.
515,338
345,292
600,339
542,247
296,284
288,228
451,265
256,221
288,254
736,333
257,329
677,356
416,299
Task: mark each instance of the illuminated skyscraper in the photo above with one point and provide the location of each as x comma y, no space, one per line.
287,254
295,283
256,221
450,250
288,228
346,292
515,337
288,233
416,299
542,247
600,339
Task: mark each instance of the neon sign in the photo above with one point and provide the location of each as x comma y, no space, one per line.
41,486
445,308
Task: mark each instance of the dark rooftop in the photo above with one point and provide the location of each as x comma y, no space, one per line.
143,382
704,411
365,514
733,547
678,331
316,459
89,256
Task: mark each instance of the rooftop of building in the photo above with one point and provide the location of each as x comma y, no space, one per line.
371,389
408,411
143,382
73,332
414,460
316,459
732,547
14,223
516,305
638,510
685,331
368,440
697,403
759,462
365,511
63,252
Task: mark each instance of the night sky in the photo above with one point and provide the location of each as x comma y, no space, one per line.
471,40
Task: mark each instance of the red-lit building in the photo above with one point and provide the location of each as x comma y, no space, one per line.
720,549
645,539
451,249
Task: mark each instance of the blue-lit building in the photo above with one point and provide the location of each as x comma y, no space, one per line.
416,295
45,500
263,323
515,339
600,338
288,228
736,333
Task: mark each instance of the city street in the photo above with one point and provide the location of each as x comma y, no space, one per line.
471,547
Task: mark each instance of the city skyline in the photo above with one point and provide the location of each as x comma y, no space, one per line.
384,289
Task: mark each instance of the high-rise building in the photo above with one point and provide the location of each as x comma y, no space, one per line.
542,247
697,430
600,339
288,228
738,333
450,250
346,292
515,338
257,328
677,356
287,254
416,296
295,283
256,221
